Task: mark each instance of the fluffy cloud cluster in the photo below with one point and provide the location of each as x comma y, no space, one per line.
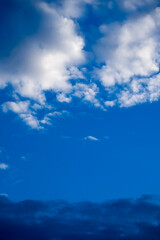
140,91
43,62
55,58
131,53
130,49
113,220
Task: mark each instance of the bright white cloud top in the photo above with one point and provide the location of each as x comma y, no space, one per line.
56,60
131,53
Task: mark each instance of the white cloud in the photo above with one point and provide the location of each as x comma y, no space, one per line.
29,116
130,49
24,112
74,8
63,98
58,114
3,166
87,92
139,91
109,103
17,107
127,99
91,138
134,4
75,73
46,61
53,60
47,120
31,120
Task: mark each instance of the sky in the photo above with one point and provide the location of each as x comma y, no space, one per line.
79,119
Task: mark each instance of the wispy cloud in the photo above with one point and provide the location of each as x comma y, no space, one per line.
17,182
91,138
4,195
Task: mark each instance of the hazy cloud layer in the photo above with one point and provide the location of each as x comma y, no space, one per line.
123,219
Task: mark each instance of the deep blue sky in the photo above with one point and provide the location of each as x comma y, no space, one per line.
80,88
59,163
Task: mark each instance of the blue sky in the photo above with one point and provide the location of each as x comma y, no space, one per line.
94,155
79,119
80,88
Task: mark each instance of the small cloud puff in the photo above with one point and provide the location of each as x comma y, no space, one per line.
109,103
91,138
3,166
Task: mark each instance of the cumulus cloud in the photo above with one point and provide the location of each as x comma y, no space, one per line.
56,58
63,98
140,91
88,93
17,107
131,53
123,219
44,62
132,49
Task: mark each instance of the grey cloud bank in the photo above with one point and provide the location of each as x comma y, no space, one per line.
123,219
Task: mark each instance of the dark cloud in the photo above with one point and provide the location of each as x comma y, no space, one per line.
18,20
113,220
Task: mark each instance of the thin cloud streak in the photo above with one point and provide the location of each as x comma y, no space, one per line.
91,138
